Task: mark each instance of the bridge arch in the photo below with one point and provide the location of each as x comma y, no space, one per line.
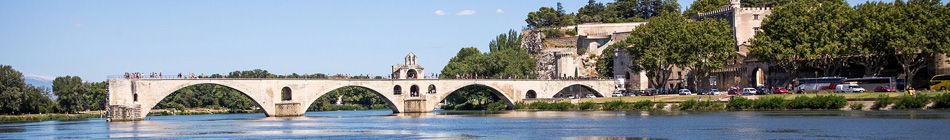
504,97
151,99
386,98
578,90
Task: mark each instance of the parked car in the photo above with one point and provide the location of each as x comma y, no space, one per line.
569,96
762,91
748,91
884,89
685,92
779,90
714,92
734,91
617,94
591,96
848,88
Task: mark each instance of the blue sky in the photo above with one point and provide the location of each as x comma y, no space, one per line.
94,39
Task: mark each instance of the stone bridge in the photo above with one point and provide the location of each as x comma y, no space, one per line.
132,99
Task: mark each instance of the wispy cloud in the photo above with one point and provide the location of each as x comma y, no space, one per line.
78,25
40,77
466,13
499,11
439,12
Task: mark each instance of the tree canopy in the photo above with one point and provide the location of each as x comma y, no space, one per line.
505,59
671,41
625,10
17,97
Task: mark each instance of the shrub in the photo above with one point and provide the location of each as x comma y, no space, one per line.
581,51
520,105
643,105
538,105
615,105
688,104
497,106
465,106
739,102
587,105
660,105
571,32
910,102
857,106
770,102
800,102
882,101
942,100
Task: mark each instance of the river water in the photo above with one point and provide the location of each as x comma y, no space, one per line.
383,124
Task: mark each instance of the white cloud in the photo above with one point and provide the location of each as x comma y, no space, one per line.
40,77
439,12
78,25
499,11
466,13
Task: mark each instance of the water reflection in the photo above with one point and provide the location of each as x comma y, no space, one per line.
596,125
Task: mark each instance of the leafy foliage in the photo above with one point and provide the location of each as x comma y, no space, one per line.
701,6
911,102
76,95
882,101
17,97
671,41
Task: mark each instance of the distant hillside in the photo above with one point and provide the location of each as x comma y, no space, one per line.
39,81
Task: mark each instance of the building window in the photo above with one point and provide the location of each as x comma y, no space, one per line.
755,16
286,94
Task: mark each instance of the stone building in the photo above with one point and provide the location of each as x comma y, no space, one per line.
409,70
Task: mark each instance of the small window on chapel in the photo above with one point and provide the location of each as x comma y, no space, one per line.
755,16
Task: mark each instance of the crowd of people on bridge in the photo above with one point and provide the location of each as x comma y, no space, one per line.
157,75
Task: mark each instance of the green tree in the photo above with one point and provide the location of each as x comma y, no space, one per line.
549,17
71,93
11,89
592,12
671,41
701,6
919,36
812,30
871,27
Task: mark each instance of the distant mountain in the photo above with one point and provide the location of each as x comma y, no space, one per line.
39,81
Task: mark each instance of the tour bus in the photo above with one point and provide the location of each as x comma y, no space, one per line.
940,82
872,83
815,84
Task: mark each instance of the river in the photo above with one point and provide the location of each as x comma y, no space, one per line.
383,124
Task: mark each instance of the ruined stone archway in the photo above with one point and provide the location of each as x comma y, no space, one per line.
387,99
497,93
578,91
150,100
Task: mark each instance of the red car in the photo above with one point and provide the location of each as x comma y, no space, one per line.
779,90
734,92
884,89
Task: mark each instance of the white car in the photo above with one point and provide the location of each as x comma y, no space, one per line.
748,91
848,88
685,92
715,92
570,96
591,96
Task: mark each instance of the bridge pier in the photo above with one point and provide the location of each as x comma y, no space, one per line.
286,109
416,106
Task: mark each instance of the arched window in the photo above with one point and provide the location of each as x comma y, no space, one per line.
414,91
431,89
286,94
397,90
135,97
411,74
531,94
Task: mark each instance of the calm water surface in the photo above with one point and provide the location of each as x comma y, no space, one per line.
382,124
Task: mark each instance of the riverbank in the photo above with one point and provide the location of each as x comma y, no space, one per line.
824,101
45,117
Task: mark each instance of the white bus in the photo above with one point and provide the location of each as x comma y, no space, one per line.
871,83
816,84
